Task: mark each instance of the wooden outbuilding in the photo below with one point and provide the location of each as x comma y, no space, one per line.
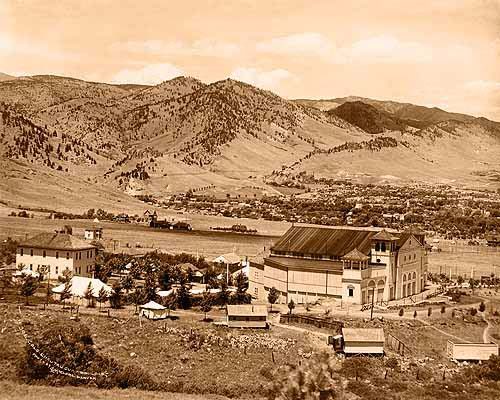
471,351
363,341
247,316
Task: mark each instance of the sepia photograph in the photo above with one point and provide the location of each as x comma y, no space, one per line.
249,199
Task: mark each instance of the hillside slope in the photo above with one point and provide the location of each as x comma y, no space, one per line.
128,140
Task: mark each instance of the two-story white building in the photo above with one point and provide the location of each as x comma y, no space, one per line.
56,252
357,265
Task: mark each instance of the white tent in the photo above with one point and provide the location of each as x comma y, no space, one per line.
165,293
153,310
229,258
79,285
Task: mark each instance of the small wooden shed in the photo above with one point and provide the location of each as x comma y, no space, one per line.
471,351
363,340
153,310
247,316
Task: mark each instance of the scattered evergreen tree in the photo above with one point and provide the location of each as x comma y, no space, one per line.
415,314
127,283
102,297
273,296
482,307
66,293
115,298
401,312
206,304
29,286
89,295
429,311
291,306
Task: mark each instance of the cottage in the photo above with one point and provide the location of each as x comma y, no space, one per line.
55,253
363,340
356,265
247,316
153,310
93,233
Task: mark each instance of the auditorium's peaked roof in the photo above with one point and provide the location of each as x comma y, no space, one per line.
331,241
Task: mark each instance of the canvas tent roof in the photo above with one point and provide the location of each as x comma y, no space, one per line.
363,334
152,305
79,285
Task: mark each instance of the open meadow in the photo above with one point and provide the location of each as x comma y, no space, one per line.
462,259
139,239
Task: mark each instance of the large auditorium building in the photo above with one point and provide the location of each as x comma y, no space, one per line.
348,263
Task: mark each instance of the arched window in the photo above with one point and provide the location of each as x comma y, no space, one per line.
404,278
383,246
414,276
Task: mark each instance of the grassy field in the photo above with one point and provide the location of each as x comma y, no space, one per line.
227,362
137,239
461,259
17,391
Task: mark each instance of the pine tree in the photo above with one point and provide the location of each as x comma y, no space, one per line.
89,295
66,293
273,296
102,297
29,286
206,304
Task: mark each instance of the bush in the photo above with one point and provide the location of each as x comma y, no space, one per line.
70,349
482,306
473,311
314,379
401,312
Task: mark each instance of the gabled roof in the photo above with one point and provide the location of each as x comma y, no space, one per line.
363,334
247,309
355,255
384,235
331,241
186,266
56,241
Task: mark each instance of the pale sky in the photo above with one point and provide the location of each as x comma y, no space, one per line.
443,53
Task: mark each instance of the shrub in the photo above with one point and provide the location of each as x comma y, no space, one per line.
70,348
415,314
401,312
482,306
473,311
314,379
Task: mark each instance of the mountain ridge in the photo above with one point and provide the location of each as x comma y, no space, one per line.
183,133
